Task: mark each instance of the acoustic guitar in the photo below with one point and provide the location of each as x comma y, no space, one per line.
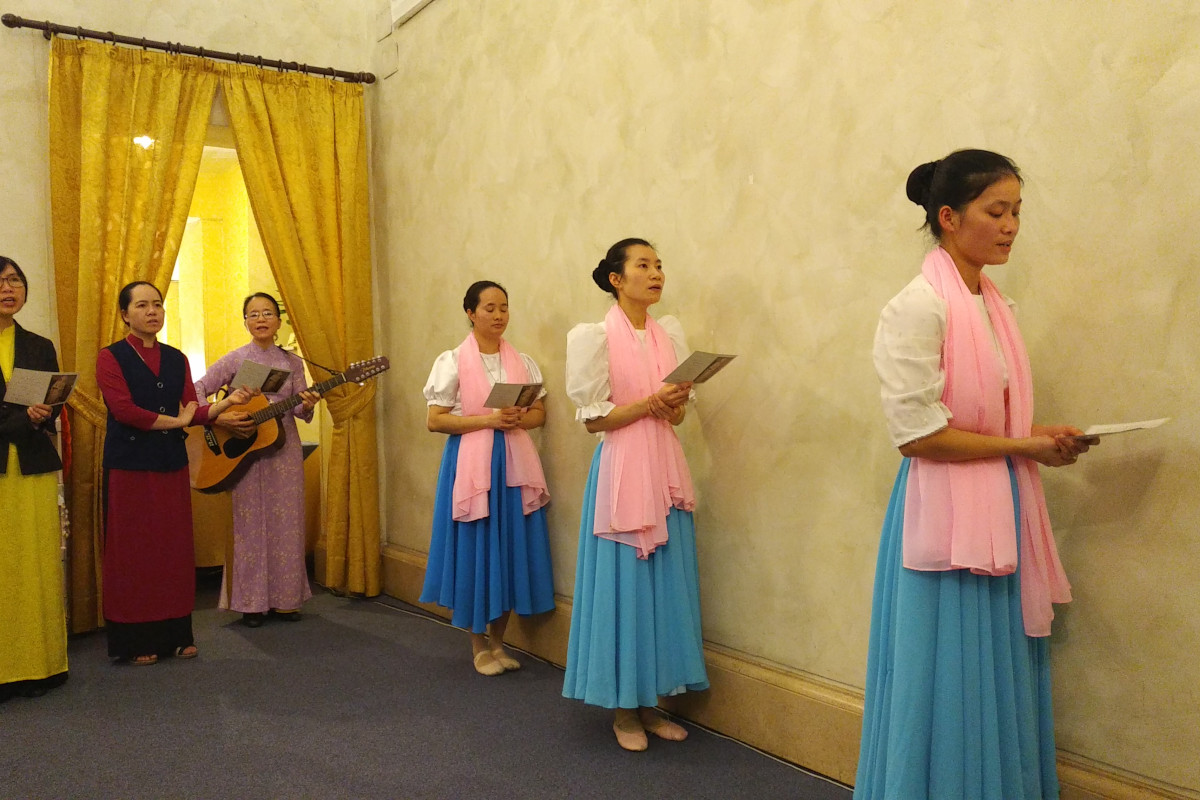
217,459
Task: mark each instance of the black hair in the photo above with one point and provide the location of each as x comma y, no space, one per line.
126,295
6,262
614,261
955,181
475,290
264,296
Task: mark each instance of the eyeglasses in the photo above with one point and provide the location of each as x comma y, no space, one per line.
261,315
14,281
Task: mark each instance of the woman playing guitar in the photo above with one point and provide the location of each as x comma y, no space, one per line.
267,574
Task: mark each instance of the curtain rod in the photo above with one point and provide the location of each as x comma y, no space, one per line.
48,28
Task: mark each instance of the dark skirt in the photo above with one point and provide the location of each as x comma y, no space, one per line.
33,688
132,639
149,562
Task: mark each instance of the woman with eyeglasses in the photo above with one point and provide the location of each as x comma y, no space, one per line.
266,575
33,657
149,556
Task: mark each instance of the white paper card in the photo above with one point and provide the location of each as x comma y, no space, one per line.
1121,427
507,395
260,376
698,367
29,387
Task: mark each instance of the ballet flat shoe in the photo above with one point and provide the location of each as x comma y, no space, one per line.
486,664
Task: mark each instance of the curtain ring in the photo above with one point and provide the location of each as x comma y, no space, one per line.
201,52
79,32
144,43
238,59
48,31
260,62
112,38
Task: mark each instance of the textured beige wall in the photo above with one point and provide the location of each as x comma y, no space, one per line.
763,146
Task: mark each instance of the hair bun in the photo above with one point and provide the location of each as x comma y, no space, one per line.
600,276
920,182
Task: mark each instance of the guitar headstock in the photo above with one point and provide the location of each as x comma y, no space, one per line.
361,371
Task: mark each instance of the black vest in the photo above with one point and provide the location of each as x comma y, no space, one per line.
126,447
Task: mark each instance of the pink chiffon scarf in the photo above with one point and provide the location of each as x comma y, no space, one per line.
473,478
643,472
959,515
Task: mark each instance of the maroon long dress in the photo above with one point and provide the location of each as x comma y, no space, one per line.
149,558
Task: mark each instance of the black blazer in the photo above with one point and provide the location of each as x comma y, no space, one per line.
35,448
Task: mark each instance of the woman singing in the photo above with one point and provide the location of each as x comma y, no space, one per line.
149,560
958,670
490,550
267,574
635,624
33,657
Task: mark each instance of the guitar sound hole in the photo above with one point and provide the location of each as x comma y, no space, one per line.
234,447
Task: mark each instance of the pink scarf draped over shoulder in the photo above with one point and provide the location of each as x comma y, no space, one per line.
959,515
473,478
643,472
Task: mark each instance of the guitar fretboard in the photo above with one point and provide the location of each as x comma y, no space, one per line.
281,407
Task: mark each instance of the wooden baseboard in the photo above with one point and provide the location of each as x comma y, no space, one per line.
800,718
1085,779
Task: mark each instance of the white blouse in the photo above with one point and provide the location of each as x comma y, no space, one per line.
587,365
442,387
908,360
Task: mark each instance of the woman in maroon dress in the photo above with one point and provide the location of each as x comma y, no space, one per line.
149,562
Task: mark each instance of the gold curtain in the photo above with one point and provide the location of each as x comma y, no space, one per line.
302,146
127,132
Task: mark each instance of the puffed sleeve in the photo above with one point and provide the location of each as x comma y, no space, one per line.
535,374
587,371
442,387
908,360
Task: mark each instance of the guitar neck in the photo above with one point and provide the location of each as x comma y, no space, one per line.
281,407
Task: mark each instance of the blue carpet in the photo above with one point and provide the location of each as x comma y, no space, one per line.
357,700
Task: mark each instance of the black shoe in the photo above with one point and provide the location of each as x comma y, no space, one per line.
286,616
253,620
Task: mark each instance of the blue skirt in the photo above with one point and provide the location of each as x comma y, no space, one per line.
957,696
635,624
481,569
